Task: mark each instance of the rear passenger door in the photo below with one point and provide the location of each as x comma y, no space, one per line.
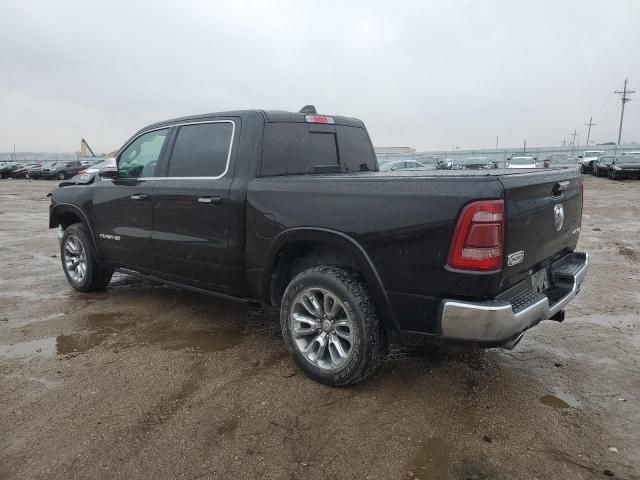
192,211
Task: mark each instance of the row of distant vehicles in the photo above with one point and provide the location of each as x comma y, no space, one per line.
600,164
476,163
615,167
53,170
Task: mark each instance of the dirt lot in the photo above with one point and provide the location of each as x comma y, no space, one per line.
145,381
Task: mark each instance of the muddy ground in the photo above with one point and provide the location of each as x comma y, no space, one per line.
146,381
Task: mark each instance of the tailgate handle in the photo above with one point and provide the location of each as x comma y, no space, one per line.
139,196
559,188
210,200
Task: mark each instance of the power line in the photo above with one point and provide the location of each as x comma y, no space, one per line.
624,98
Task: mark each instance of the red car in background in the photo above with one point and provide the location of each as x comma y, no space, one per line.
24,171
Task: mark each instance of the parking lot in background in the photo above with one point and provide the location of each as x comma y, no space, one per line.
148,381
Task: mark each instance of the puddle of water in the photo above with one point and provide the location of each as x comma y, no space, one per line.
121,331
432,460
553,401
42,346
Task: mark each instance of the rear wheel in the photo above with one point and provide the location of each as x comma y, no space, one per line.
79,261
330,326
61,176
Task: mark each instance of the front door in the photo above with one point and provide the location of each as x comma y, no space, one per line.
194,218
122,207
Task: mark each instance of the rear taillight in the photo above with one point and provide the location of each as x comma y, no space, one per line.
80,172
478,239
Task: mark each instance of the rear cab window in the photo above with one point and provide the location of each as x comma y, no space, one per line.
300,148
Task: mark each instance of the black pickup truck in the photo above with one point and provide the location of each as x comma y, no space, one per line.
290,209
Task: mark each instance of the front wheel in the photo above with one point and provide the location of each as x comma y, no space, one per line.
331,327
79,261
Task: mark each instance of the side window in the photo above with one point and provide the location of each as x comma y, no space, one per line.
141,157
201,150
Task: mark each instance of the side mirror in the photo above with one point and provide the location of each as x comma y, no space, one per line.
110,172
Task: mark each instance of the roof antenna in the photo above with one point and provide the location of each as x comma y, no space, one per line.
308,109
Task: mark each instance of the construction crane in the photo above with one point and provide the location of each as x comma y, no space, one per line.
83,142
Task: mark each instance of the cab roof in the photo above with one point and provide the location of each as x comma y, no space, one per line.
269,116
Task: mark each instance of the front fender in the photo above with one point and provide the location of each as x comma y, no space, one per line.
57,213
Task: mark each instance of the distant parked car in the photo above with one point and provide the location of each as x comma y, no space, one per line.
36,172
396,165
587,159
521,162
600,168
8,167
478,163
626,166
62,170
448,164
24,171
563,160
633,154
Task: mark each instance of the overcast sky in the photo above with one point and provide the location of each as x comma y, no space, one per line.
424,74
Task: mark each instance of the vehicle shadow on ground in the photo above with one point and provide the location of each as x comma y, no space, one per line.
151,313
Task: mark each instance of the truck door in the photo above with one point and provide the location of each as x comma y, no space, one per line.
122,208
195,221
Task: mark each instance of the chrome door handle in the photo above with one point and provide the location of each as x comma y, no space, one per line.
139,196
209,200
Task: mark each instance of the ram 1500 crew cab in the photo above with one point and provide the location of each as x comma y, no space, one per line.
290,209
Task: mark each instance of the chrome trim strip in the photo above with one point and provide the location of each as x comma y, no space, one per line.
167,127
497,322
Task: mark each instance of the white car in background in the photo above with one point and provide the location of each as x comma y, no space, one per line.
521,162
587,159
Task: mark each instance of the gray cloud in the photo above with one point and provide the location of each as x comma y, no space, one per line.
422,74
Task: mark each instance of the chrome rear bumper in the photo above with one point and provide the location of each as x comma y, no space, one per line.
503,319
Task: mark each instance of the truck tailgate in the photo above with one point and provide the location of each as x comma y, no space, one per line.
543,216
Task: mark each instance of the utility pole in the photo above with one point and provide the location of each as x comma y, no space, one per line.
524,149
590,124
564,142
574,135
496,143
624,98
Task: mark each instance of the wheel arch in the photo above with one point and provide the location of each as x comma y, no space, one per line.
292,246
65,214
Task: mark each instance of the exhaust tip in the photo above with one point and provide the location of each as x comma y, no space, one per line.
510,345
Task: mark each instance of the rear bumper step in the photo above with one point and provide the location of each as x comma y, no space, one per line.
505,318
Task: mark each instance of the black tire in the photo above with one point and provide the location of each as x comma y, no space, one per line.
369,342
96,276
61,176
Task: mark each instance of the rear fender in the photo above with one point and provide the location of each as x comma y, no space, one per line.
340,242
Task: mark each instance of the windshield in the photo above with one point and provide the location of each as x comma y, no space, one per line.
594,153
474,161
629,159
522,161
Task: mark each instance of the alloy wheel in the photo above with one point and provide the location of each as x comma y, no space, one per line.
321,328
75,258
